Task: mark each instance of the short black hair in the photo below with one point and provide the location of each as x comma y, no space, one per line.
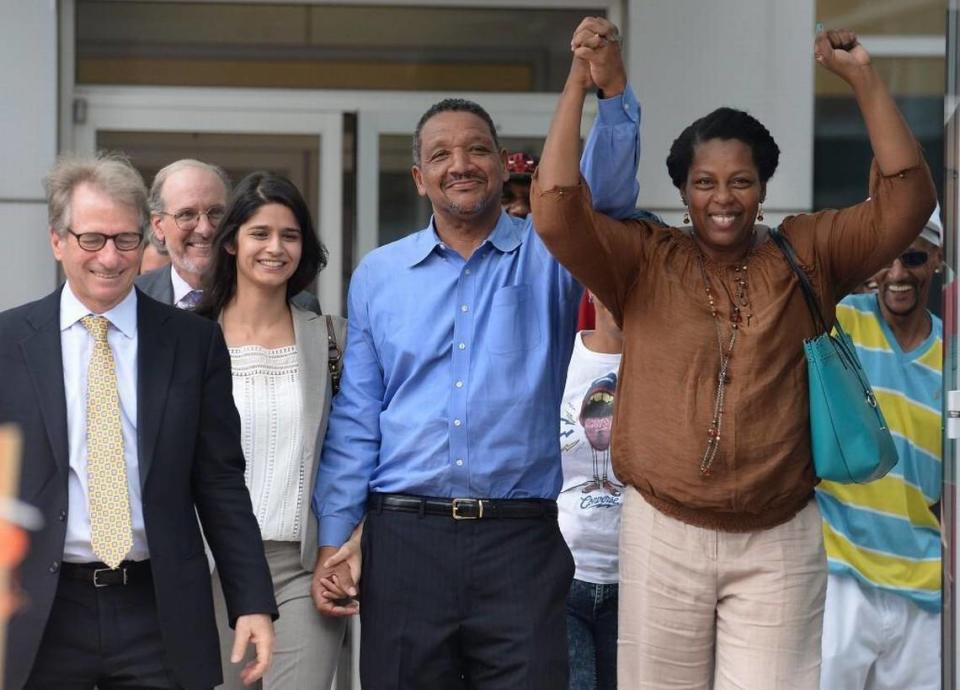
723,123
256,190
452,105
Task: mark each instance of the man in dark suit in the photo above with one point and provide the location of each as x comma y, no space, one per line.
129,435
187,201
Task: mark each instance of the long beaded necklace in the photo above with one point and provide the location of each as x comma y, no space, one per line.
739,302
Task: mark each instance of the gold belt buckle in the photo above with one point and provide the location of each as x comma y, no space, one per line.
457,502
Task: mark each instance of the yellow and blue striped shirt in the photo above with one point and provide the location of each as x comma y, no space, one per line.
885,533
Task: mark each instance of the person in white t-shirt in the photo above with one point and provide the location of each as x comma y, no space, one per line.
590,503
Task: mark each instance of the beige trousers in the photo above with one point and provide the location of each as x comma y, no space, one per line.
306,644
700,608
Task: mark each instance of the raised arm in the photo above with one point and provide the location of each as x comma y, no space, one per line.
602,253
856,242
894,147
612,152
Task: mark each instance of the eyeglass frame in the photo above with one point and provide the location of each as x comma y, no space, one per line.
106,238
221,209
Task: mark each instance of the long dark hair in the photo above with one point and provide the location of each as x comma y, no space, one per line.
253,192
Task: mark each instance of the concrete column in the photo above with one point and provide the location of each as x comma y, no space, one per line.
28,146
688,57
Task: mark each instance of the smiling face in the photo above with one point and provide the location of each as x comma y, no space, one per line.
903,289
267,248
460,170
99,279
199,190
723,192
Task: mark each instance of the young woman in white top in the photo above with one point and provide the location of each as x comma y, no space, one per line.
265,251
590,502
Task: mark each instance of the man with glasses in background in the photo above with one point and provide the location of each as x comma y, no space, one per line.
187,201
129,433
881,624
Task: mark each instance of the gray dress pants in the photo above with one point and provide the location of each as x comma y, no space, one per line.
307,645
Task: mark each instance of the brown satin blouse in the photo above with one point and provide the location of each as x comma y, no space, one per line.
648,276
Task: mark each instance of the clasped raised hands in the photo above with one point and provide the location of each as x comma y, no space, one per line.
597,60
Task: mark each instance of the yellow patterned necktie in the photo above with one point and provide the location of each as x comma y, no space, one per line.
111,535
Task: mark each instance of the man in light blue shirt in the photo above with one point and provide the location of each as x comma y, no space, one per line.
444,430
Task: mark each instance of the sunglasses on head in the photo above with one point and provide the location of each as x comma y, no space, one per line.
914,258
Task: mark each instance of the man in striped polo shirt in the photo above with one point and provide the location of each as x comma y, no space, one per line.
881,626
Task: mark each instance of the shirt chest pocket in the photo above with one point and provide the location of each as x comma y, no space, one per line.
514,320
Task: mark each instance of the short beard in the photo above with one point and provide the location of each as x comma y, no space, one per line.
188,266
470,211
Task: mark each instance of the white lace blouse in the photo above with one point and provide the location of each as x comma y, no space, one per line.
266,390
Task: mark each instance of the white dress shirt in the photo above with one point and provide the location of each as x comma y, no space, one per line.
181,288
77,345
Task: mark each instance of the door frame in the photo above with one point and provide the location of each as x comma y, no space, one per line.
226,111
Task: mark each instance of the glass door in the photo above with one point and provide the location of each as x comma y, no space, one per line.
239,132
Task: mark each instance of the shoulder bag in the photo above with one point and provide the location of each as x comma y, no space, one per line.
849,436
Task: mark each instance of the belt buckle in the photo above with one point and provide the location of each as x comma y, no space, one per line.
457,502
108,570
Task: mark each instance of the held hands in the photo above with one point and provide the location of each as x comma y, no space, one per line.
841,53
596,57
256,628
335,578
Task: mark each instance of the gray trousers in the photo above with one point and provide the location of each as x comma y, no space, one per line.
307,644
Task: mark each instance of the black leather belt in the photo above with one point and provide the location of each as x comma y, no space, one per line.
99,575
465,508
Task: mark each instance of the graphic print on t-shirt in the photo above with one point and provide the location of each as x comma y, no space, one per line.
595,417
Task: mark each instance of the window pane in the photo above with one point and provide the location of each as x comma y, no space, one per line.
884,17
325,46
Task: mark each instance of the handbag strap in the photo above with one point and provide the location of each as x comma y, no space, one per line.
335,357
813,304
809,295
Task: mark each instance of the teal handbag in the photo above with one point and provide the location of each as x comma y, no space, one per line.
849,436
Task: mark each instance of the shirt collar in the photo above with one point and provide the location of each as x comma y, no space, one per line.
506,236
123,317
180,287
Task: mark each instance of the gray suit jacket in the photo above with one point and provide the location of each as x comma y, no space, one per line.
310,331
158,284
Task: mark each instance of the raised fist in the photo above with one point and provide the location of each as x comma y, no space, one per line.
841,53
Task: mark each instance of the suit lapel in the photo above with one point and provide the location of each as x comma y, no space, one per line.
167,285
310,332
156,351
43,355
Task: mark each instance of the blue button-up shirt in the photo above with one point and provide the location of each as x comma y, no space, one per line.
454,369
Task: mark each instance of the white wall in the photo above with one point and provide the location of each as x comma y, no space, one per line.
688,57
28,145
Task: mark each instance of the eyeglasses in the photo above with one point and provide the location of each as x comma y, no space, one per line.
95,241
188,219
914,258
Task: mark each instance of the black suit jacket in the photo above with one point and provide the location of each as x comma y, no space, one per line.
191,464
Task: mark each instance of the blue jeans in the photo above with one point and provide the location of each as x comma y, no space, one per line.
592,635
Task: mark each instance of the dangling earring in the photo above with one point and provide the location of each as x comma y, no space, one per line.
760,212
686,217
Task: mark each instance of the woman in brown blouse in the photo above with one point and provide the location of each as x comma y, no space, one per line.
722,564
